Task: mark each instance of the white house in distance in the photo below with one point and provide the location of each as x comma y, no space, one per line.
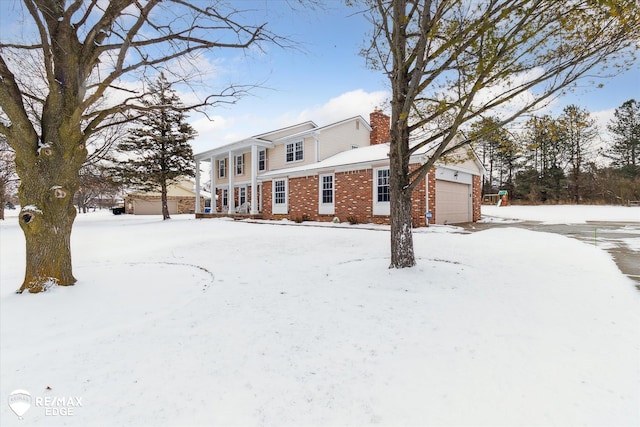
307,172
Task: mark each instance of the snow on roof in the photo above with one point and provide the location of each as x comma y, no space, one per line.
363,156
360,155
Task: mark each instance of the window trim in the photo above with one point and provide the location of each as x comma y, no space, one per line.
280,208
225,198
295,151
242,194
380,207
262,160
326,208
239,165
222,168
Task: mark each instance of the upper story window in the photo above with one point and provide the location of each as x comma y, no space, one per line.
262,160
295,151
240,164
222,168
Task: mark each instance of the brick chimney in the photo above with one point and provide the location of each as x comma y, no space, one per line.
379,123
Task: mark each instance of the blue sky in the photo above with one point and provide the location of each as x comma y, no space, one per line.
327,80
324,79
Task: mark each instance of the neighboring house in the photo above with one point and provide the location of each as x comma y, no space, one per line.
181,199
306,172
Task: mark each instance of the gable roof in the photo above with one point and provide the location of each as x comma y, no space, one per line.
278,136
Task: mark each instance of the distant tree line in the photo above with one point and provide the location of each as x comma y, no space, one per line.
562,159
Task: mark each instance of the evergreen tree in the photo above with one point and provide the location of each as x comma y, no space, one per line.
577,133
546,154
498,153
159,150
625,128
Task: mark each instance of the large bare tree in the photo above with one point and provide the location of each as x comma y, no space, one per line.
453,62
90,56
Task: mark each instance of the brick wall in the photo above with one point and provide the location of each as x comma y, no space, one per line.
353,193
267,212
303,198
431,182
418,201
476,192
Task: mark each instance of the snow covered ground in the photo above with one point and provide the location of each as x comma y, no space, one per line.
562,214
215,322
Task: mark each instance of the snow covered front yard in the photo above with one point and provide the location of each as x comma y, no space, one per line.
215,322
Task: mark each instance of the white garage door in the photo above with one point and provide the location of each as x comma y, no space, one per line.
453,202
153,207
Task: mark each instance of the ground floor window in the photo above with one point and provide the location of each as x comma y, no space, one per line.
242,195
280,196
381,192
382,188
225,197
326,186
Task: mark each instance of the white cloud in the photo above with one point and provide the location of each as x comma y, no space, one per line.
234,127
349,104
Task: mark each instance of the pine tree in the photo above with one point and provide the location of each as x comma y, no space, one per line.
159,151
625,128
578,131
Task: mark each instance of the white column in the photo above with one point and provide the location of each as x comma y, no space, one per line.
214,202
232,173
254,179
198,186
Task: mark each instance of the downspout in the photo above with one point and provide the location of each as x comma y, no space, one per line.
317,146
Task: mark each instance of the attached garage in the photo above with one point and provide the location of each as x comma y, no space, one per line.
153,207
453,196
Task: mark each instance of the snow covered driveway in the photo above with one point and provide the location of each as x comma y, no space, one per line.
613,228
215,322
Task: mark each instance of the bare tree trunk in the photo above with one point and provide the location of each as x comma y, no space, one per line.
402,255
2,199
46,219
165,206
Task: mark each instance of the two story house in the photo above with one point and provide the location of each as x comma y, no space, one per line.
307,172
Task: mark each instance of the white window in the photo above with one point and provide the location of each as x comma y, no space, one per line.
295,151
240,164
280,196
242,196
222,168
381,192
326,196
225,197
262,160
382,186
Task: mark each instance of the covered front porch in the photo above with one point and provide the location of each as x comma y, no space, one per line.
233,179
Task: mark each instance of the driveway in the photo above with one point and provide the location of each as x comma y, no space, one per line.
620,239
